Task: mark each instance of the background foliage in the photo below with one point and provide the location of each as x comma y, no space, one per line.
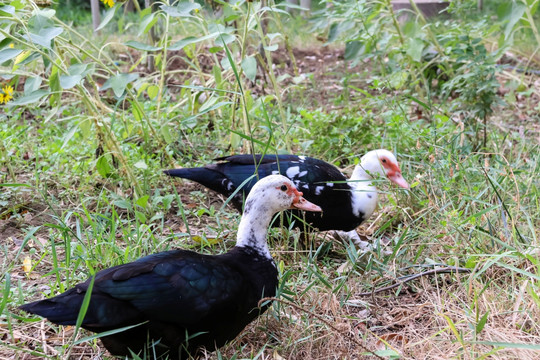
95,117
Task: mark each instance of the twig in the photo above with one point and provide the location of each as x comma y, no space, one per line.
320,318
446,270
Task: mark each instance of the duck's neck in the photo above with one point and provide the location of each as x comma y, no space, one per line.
364,194
253,228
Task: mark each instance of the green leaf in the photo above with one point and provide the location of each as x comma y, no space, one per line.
137,112
518,9
8,54
249,65
146,24
30,98
179,45
140,216
183,9
142,201
103,167
152,91
122,204
482,323
32,84
186,7
273,47
7,9
45,36
69,81
224,39
140,46
166,132
119,83
352,49
108,17
415,49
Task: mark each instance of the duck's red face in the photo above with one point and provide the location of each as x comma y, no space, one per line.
299,202
393,172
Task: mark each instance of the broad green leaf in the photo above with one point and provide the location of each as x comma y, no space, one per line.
273,47
249,65
152,91
119,82
166,132
415,48
7,9
69,81
224,39
186,7
140,216
8,54
183,9
81,69
142,201
352,49
103,167
122,204
518,9
272,36
179,45
109,14
140,46
45,36
146,24
30,98
32,84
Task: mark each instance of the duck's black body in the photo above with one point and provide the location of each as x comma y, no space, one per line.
177,293
320,183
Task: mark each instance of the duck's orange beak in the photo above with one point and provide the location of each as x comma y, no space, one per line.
302,204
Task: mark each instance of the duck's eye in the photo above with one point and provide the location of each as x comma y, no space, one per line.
384,160
284,188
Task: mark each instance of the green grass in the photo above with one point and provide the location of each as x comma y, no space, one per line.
69,206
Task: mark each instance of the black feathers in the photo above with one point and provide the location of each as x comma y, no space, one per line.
177,293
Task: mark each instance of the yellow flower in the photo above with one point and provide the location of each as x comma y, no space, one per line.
8,90
11,46
7,95
109,3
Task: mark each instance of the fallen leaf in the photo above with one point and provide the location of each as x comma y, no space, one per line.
27,265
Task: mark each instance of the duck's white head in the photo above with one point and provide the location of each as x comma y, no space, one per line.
381,162
270,195
276,193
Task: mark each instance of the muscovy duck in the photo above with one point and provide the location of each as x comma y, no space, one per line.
179,294
346,203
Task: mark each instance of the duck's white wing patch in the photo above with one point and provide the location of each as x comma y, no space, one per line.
293,172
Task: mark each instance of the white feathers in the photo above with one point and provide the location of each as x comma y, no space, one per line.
293,172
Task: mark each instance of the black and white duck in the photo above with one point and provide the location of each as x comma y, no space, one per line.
183,301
